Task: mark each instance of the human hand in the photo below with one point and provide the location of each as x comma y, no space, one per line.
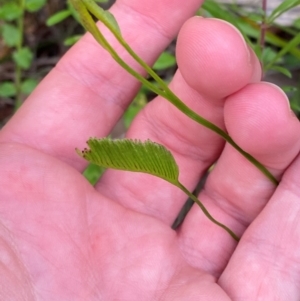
62,239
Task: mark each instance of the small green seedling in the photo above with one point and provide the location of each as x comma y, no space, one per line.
145,157
136,156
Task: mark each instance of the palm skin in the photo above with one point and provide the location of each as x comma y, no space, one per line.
62,239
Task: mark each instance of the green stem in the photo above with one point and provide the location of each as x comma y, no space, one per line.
263,27
164,91
18,74
135,74
207,214
96,11
89,24
190,113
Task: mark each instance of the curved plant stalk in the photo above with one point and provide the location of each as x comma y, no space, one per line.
85,7
89,24
147,157
205,211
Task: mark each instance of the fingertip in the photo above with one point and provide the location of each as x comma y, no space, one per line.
259,119
213,57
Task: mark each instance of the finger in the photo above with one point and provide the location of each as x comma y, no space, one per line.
266,263
87,92
259,119
193,146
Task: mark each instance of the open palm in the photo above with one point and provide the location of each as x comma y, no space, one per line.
61,239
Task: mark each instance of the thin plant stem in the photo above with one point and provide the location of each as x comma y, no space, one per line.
207,214
84,8
190,113
263,26
187,111
93,7
89,25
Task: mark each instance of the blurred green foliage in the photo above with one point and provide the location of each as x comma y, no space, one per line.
93,172
12,31
276,46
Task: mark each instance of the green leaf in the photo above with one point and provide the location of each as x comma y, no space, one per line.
147,157
163,89
7,89
297,23
28,85
256,17
138,103
295,107
103,15
58,17
268,54
72,40
10,11
270,38
292,44
93,172
295,100
73,11
282,70
34,5
88,22
288,89
23,57
11,35
166,60
132,155
281,8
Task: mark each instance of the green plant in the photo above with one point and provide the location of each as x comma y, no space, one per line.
108,153
12,27
160,88
147,157
254,27
277,53
93,172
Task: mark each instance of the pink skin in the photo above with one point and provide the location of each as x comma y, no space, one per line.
61,239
